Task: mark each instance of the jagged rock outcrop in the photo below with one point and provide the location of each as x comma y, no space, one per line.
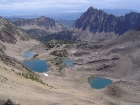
10,61
138,29
10,33
8,102
41,26
99,25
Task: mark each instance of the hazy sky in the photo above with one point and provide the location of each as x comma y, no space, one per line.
50,6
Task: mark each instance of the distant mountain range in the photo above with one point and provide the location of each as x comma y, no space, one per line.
97,25
57,16
68,15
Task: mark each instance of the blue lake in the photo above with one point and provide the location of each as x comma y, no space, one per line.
37,65
69,63
28,54
99,83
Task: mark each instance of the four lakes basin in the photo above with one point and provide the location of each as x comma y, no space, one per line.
68,62
39,66
28,54
99,83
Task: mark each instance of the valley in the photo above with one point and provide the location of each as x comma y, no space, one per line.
116,59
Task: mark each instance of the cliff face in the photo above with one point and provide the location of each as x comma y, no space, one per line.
96,21
13,41
10,33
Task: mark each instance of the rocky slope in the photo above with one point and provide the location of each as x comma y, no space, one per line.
96,24
40,26
13,41
117,59
10,33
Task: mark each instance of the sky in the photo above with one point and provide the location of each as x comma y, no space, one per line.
22,7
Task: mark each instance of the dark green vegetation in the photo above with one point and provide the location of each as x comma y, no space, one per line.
58,43
58,63
34,78
63,35
3,79
35,56
31,76
37,34
60,53
53,44
26,68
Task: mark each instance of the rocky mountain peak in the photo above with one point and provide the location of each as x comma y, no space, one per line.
2,22
91,8
43,18
93,11
138,29
98,24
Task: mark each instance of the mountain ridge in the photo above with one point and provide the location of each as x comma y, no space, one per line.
41,26
95,21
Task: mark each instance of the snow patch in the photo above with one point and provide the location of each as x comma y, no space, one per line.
46,74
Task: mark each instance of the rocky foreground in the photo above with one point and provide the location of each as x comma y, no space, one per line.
115,61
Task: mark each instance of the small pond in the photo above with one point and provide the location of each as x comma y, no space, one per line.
28,54
99,83
68,62
39,66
